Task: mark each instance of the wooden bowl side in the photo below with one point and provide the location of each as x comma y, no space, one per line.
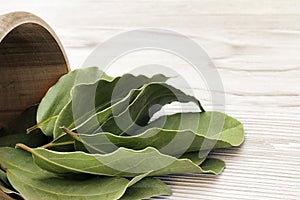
32,59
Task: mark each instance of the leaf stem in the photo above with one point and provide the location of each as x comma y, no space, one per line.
38,125
24,147
70,133
30,129
51,144
45,146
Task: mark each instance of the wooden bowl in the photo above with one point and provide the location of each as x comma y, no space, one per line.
31,60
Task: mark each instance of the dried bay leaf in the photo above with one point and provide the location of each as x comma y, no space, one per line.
59,95
122,162
110,148
166,135
90,99
146,188
138,113
34,183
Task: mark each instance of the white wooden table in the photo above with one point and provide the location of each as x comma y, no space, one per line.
255,45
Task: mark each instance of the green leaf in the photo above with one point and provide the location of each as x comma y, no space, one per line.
142,99
15,131
146,188
196,157
34,183
206,130
59,95
171,135
123,162
213,164
138,113
90,99
104,143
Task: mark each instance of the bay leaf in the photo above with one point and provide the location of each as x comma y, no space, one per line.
145,189
170,136
148,102
203,131
157,94
213,164
196,157
122,162
88,99
59,95
34,183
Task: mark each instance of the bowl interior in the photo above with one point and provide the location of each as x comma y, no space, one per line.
31,61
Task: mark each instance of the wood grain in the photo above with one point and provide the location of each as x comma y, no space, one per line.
31,60
255,46
265,167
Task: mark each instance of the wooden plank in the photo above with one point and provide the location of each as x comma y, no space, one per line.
265,167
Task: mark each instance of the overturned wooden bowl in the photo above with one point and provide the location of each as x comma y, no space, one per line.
32,59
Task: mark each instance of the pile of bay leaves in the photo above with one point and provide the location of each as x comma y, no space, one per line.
94,137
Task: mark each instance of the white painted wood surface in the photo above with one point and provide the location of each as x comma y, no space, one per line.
255,45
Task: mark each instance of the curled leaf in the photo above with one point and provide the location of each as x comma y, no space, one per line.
148,102
170,136
89,99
